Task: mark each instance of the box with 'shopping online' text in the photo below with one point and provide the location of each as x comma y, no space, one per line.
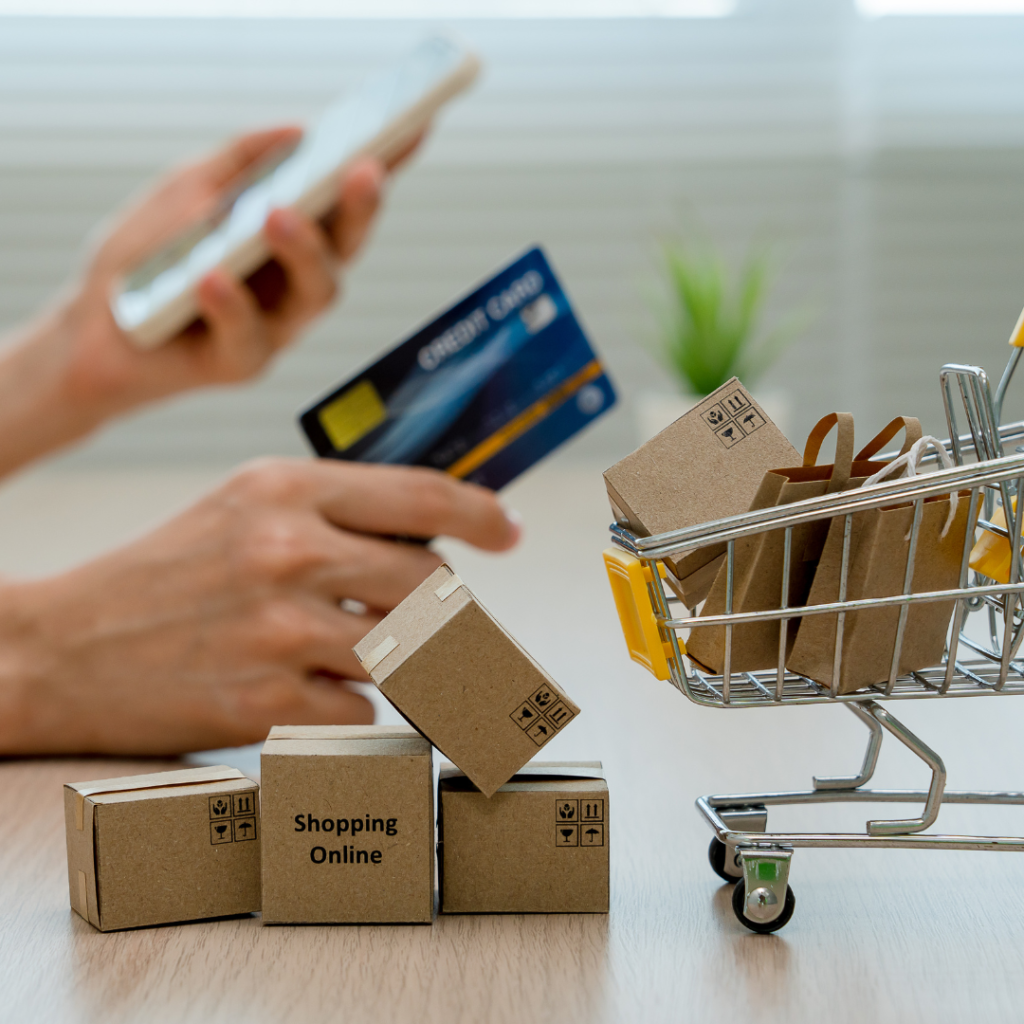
348,825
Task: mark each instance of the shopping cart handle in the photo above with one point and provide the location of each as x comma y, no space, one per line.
1017,334
629,578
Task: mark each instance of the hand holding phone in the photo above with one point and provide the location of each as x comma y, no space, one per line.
158,299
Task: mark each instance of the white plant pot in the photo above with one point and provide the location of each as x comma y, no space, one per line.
655,410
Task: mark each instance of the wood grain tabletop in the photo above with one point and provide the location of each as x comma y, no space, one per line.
898,936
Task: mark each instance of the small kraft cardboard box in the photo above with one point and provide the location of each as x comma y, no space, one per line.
348,825
454,673
155,849
538,846
706,465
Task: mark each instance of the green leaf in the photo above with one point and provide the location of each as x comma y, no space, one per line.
708,328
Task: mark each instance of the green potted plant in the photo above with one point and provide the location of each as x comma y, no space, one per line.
710,328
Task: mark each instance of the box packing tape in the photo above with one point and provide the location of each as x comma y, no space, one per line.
379,653
448,588
321,732
541,772
159,780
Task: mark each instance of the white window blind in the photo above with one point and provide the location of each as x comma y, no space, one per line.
886,154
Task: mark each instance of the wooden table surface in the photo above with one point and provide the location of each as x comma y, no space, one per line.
877,935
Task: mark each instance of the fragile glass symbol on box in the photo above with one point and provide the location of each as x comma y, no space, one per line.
542,716
220,832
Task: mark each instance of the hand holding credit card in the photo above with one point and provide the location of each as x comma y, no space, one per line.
484,391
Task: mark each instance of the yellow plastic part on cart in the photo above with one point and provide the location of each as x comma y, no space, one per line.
1017,335
991,555
629,577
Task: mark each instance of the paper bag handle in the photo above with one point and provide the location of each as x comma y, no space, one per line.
908,461
842,467
910,424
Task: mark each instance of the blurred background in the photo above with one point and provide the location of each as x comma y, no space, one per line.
881,155
875,146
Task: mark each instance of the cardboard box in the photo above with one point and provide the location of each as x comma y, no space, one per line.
706,465
172,846
348,825
538,846
461,680
695,587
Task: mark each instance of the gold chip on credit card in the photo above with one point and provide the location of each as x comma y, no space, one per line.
353,415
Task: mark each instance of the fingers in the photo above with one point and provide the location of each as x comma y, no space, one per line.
314,636
333,702
181,198
412,502
295,698
240,154
379,573
358,203
237,343
396,161
302,250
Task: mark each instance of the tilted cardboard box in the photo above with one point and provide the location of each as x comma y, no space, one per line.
538,846
452,671
706,465
172,846
348,825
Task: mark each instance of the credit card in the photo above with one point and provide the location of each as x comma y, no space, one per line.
483,392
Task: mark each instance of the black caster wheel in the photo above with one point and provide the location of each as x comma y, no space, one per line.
762,929
716,855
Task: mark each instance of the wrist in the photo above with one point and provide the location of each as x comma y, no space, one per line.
44,401
28,710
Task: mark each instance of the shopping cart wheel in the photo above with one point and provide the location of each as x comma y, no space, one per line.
717,853
781,921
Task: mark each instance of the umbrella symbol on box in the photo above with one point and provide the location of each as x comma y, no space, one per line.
540,732
245,828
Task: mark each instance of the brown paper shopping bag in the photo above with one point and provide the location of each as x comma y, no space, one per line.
879,543
758,560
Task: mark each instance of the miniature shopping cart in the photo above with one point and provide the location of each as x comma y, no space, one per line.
983,660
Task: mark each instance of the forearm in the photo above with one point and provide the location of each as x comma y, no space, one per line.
42,407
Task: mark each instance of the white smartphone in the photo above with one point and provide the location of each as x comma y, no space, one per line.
157,299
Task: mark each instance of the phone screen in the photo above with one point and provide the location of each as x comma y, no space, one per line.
284,179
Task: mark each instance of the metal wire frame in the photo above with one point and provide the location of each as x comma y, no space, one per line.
983,413
1008,433
988,673
709,807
